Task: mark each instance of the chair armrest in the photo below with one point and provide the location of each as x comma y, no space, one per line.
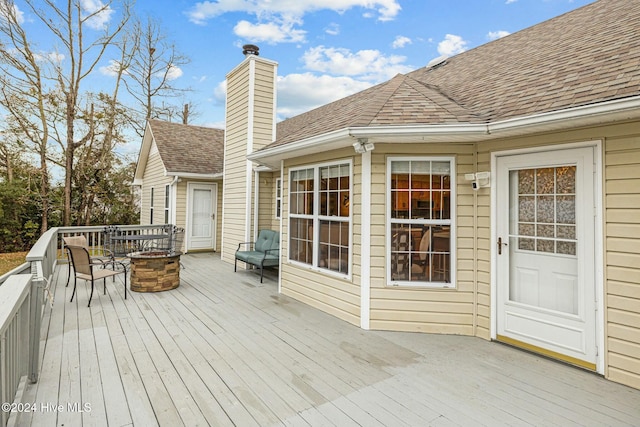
268,251
245,243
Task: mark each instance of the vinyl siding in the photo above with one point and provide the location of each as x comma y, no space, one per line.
237,227
153,178
266,202
416,309
337,296
622,257
235,171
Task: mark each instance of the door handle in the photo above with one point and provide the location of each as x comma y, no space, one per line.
500,245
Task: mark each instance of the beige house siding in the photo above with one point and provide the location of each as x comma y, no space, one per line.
266,202
238,175
622,257
324,291
418,309
235,175
153,178
263,113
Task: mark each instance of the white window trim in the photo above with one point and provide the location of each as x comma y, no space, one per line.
167,203
317,218
278,198
151,202
452,224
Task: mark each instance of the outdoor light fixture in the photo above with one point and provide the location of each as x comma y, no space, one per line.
363,145
478,179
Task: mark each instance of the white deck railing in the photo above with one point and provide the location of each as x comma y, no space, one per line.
22,296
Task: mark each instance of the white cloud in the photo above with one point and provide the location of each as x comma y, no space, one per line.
494,35
452,45
332,29
271,32
102,14
112,69
510,1
203,11
174,72
298,93
370,65
19,15
400,42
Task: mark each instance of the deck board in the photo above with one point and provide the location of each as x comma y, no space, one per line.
223,349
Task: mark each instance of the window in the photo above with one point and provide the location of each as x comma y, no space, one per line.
320,217
167,202
278,197
420,212
151,208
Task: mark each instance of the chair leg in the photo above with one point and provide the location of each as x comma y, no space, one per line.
104,284
75,282
261,273
91,295
235,265
68,275
125,285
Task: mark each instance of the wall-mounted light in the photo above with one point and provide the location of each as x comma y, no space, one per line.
363,145
478,179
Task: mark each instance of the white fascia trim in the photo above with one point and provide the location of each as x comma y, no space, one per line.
325,138
592,113
190,175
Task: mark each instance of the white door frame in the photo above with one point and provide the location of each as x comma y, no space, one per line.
598,238
214,201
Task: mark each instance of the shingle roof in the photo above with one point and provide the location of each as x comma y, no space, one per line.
189,149
586,56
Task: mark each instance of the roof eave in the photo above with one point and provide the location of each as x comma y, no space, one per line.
586,115
193,175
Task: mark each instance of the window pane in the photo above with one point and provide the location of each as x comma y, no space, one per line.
420,192
334,246
300,240
301,195
331,241
546,209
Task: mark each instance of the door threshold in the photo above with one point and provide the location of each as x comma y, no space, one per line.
546,353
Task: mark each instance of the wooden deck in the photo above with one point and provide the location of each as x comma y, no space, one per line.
223,349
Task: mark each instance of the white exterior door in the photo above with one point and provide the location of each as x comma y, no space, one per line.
201,225
545,253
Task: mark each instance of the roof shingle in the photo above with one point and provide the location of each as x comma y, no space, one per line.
189,149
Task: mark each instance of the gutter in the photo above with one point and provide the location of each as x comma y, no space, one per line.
195,175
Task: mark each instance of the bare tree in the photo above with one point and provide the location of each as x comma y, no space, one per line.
150,75
23,94
82,32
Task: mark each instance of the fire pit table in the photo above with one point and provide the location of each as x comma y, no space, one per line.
155,271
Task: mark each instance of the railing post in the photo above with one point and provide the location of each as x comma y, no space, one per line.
35,322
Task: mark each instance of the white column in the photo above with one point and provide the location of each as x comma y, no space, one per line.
365,242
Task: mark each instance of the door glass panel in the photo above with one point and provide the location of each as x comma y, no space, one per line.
543,238
201,213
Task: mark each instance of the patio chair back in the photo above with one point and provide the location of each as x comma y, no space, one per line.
80,259
75,241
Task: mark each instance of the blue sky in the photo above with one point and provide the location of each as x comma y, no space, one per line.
327,49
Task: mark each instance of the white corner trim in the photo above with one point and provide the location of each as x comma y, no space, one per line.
365,242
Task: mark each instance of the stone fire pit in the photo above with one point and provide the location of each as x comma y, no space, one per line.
155,271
